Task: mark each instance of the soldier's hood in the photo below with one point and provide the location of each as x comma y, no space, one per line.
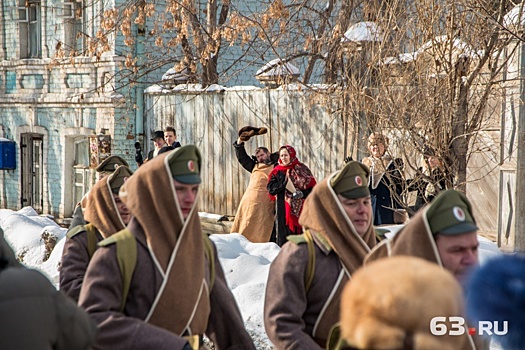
324,214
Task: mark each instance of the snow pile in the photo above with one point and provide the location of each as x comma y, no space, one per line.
245,264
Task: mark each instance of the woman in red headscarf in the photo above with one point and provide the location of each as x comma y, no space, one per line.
288,184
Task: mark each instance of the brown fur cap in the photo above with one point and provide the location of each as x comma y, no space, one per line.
391,302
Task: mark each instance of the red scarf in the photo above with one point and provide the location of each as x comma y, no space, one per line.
302,178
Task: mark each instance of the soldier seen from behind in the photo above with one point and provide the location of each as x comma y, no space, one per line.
35,316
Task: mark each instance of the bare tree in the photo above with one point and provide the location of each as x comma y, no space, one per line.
433,76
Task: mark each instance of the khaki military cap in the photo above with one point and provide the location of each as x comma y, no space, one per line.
352,181
450,213
110,164
185,164
117,179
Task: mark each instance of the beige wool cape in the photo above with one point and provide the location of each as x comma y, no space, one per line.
255,217
176,245
101,209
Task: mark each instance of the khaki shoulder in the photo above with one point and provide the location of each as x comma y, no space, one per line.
76,230
381,250
297,239
119,236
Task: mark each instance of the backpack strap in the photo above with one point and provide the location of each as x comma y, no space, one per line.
335,342
92,239
210,254
126,257
310,267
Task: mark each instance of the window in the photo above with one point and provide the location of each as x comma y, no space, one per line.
74,30
82,181
29,24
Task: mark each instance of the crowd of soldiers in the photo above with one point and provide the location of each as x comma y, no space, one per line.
139,264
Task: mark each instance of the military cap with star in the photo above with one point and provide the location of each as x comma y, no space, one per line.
117,179
450,213
352,181
110,164
185,164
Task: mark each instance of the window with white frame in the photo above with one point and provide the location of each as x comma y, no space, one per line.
29,25
74,27
82,176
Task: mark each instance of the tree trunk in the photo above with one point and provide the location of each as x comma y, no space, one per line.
460,139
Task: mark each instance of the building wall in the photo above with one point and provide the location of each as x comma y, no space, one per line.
64,103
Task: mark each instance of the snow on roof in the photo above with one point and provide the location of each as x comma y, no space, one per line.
177,75
277,67
459,47
515,16
184,88
363,31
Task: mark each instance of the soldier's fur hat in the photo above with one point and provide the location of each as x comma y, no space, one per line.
389,304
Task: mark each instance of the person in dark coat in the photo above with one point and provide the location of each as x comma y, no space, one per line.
289,184
307,277
386,180
177,292
35,316
255,215
158,142
429,180
107,215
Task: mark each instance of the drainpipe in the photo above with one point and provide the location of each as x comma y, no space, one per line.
519,228
2,28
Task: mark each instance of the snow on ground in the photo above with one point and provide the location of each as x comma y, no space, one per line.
245,264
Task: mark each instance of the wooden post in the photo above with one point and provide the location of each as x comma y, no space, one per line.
520,167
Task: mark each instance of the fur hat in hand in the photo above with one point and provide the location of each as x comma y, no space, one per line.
390,303
248,131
